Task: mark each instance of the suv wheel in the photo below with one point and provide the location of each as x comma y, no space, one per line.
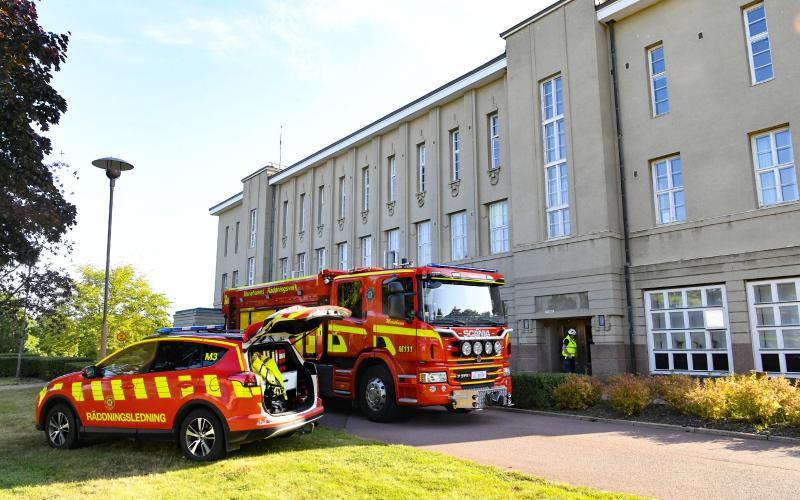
61,429
376,395
201,436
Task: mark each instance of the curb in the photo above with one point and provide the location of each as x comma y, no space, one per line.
656,425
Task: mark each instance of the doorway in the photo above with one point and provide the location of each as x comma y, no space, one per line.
583,337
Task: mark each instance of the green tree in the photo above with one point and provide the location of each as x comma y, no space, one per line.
134,311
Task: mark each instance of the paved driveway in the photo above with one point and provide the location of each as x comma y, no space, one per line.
650,462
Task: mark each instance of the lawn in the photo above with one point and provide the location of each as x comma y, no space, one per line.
325,464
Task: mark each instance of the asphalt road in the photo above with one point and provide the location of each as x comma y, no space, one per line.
650,462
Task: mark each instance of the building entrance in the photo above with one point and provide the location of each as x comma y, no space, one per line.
583,337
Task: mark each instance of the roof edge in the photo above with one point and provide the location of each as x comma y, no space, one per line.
522,24
224,205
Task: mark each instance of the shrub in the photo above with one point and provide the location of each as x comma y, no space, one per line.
41,367
706,399
754,399
628,393
578,392
673,389
790,404
535,390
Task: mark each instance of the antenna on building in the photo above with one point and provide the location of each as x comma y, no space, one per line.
280,147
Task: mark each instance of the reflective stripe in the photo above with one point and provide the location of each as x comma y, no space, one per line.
334,347
395,330
162,387
431,334
138,388
77,391
212,385
40,398
387,341
116,389
97,390
57,387
311,342
374,273
347,329
240,390
256,391
185,391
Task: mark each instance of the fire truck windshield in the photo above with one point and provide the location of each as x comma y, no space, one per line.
460,304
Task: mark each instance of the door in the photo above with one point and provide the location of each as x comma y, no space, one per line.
583,329
347,336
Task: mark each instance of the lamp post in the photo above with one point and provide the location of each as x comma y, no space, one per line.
114,168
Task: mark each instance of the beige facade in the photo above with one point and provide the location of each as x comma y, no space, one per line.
523,172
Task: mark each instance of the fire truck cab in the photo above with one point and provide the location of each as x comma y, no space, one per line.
421,336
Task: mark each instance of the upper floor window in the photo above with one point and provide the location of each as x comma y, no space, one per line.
392,257
494,141
498,227
253,228
224,284
341,251
251,270
668,189
236,239
342,197
555,159
458,235
421,167
301,264
227,232
285,217
302,212
758,47
658,80
320,205
774,163
235,279
424,243
365,193
455,154
284,266
366,251
392,178
322,259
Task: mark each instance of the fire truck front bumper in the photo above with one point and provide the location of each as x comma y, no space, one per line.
476,399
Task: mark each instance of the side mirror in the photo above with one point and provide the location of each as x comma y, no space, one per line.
89,372
310,367
397,306
395,287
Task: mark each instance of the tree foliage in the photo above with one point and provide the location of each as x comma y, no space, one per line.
134,311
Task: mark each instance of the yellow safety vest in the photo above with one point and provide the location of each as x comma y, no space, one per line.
269,371
570,349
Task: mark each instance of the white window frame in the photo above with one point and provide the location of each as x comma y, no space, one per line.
775,168
284,268
392,245
251,270
302,224
455,155
781,350
424,245
253,227
322,259
342,196
494,141
684,310
754,39
559,210
459,241
320,205
341,254
656,76
301,264
498,227
392,167
365,193
366,251
421,160
670,191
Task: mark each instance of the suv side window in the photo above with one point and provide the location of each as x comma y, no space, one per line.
212,354
178,356
408,288
349,295
130,361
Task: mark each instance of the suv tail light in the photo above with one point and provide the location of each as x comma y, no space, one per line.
247,379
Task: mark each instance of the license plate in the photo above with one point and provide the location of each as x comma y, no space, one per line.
479,375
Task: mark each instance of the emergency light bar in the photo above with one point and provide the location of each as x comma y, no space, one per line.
202,328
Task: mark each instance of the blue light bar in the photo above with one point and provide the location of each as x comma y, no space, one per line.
464,268
203,328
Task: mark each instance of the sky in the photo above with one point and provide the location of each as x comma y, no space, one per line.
194,95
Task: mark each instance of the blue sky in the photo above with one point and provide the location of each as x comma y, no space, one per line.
194,95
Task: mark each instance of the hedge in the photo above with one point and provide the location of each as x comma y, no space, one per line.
535,390
45,368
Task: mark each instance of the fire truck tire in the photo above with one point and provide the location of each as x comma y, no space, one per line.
61,428
201,436
377,395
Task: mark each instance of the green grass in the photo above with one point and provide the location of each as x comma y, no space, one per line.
325,464
19,381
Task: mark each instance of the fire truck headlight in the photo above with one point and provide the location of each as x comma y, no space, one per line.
498,347
477,348
466,348
487,347
433,378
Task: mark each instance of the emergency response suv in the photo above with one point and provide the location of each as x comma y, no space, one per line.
209,389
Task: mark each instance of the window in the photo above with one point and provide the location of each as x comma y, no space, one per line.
342,197
341,252
224,284
458,235
408,289
284,266
668,189
320,205
494,141
366,251
758,47
301,264
555,159
775,319
302,226
173,356
424,243
392,179
773,159
251,270
285,217
365,183
392,256
455,154
498,227
322,259
349,295
236,242
252,228
658,80
227,232
235,279
130,361
688,331
421,167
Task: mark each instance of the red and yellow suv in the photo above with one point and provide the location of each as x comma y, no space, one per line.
208,389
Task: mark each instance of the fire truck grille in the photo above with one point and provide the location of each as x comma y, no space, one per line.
476,375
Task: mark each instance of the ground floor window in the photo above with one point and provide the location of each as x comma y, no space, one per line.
775,320
688,330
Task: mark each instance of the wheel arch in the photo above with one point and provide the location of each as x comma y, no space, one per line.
376,359
197,404
53,401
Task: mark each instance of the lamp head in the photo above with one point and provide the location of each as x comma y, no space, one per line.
113,166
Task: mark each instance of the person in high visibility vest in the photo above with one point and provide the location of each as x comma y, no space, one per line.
569,349
265,367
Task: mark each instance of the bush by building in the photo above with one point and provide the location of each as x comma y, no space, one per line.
578,392
628,393
535,390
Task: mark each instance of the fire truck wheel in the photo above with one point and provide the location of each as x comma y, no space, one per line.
61,428
376,395
201,436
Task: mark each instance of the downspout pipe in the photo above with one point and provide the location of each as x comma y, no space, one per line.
271,247
623,195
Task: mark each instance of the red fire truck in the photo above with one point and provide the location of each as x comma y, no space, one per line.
421,336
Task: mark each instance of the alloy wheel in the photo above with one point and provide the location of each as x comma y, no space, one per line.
376,394
200,437
58,429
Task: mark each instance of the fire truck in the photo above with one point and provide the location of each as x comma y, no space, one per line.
417,336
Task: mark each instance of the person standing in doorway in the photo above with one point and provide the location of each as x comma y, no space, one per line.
569,349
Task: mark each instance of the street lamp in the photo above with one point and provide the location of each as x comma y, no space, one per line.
114,168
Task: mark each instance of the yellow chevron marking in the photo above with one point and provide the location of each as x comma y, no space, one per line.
77,391
387,341
40,398
240,390
212,385
138,388
185,391
256,391
97,390
340,347
116,389
162,387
